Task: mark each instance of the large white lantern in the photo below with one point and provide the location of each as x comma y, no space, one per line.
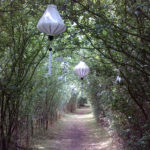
51,24
81,70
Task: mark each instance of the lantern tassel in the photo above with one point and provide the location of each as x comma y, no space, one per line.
82,89
50,61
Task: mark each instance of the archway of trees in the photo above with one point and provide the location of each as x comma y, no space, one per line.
111,36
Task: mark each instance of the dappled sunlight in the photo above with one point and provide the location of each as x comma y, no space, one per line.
88,116
101,145
39,147
47,143
104,144
78,132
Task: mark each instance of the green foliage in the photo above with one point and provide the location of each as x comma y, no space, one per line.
82,101
72,103
112,37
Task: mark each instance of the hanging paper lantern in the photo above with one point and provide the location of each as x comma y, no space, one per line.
52,24
81,70
118,79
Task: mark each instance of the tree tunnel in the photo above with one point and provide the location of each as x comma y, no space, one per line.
110,36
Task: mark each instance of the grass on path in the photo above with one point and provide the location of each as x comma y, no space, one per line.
77,131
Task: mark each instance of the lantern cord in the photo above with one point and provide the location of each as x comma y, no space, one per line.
50,61
65,3
82,88
63,7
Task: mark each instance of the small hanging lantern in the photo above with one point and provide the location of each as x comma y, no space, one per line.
118,79
51,24
81,70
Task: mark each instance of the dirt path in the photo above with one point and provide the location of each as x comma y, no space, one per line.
76,132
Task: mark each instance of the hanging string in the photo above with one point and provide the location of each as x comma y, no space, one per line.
50,62
81,87
65,4
63,7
